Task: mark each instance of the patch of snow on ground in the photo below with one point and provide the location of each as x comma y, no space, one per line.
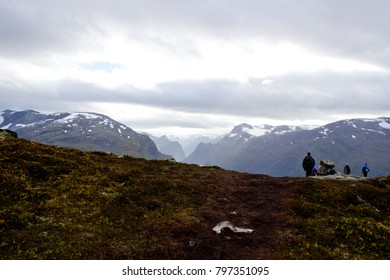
353,136
105,121
88,115
67,119
7,126
24,125
307,127
73,116
1,119
324,131
283,132
123,127
384,124
372,130
369,120
257,131
352,124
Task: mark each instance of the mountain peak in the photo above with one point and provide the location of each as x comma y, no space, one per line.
278,150
83,130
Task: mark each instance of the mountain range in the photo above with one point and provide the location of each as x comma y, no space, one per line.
85,131
169,147
279,150
179,147
265,149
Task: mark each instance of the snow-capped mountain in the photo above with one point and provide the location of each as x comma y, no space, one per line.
86,131
245,132
279,150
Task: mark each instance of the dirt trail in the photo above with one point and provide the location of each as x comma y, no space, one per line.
258,202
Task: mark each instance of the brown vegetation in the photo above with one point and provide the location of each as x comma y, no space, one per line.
58,203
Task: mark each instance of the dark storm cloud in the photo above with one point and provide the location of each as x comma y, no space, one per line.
299,95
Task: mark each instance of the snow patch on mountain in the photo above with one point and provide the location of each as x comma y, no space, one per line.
74,116
384,124
257,131
325,131
82,130
351,123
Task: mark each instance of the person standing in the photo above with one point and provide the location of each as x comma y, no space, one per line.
365,170
308,164
347,169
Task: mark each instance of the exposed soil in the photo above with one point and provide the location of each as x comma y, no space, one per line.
255,202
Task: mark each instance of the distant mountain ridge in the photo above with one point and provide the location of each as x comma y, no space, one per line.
169,147
179,147
82,130
279,150
266,149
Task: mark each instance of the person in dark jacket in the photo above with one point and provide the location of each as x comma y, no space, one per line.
347,169
365,170
308,164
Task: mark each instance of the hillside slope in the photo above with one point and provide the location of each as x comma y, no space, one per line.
62,203
81,130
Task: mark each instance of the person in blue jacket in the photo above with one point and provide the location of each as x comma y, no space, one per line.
365,170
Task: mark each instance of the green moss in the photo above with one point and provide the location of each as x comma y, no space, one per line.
342,221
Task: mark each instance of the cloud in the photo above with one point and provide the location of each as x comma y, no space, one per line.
353,28
297,95
278,60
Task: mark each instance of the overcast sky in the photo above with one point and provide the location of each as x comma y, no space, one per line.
186,67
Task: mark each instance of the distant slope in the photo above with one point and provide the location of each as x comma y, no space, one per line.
86,131
278,151
189,143
169,147
62,203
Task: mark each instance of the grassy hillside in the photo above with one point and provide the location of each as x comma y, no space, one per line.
60,203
